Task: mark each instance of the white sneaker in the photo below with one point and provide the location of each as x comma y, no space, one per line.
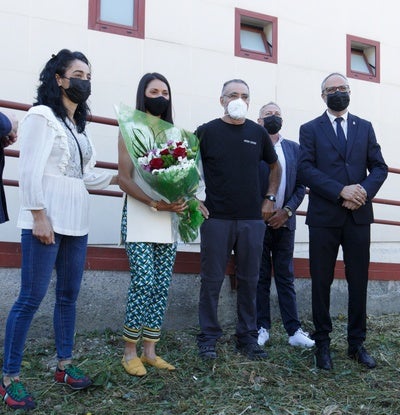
301,339
263,336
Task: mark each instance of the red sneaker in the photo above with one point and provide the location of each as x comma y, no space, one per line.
16,397
73,377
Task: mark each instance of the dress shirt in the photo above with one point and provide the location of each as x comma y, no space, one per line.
280,195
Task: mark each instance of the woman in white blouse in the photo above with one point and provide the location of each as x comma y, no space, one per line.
57,162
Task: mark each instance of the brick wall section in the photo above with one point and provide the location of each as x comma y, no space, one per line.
114,259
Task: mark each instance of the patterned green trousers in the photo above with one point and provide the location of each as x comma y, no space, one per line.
151,267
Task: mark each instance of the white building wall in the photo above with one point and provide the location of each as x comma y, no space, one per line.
191,42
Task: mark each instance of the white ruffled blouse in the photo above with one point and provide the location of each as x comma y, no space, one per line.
50,172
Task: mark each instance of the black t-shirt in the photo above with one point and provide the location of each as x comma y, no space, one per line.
231,156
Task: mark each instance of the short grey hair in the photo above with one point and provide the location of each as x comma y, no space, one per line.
238,81
329,76
266,105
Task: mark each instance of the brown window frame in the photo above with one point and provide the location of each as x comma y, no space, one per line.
136,30
248,20
351,49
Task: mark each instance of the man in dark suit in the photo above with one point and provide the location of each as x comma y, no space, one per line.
8,135
279,236
341,163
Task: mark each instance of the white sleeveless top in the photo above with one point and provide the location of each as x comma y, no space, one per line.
146,225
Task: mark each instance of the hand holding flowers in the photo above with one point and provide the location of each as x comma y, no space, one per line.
166,157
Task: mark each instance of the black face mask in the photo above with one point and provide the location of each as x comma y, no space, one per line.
79,90
156,106
272,123
338,101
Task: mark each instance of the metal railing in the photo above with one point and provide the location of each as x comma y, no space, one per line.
101,164
113,166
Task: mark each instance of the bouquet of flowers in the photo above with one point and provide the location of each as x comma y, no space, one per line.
166,157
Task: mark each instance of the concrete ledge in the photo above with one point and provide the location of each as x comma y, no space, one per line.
101,304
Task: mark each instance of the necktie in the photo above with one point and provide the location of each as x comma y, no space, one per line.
340,135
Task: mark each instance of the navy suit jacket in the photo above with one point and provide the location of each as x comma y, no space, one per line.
5,128
326,171
294,190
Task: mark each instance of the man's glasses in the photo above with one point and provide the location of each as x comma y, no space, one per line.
235,95
332,89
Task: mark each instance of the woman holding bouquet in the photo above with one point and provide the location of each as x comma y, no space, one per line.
150,241
57,161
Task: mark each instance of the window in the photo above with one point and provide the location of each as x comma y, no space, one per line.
256,36
363,59
126,19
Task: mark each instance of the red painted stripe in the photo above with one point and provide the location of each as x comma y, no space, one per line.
114,259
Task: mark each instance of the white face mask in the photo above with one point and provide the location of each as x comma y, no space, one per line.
237,109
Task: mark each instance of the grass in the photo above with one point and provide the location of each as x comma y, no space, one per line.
286,384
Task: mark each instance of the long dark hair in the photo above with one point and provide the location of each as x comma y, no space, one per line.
50,94
146,79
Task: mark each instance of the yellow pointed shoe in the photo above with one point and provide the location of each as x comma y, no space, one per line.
157,362
134,366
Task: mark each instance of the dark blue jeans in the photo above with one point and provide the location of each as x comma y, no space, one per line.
278,256
218,238
68,256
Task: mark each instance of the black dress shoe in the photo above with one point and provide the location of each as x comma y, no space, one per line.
361,356
323,358
207,352
252,351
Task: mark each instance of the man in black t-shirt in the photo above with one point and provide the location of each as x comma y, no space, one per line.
231,149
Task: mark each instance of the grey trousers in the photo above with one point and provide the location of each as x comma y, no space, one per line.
219,237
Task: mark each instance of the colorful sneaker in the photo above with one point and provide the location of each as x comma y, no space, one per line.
16,397
73,377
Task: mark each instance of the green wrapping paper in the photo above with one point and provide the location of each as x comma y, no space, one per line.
167,159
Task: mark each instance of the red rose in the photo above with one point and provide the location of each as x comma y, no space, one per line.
179,152
156,164
164,152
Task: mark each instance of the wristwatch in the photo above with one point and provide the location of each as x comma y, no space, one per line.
154,205
288,211
272,198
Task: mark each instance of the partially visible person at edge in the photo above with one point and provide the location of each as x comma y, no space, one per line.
8,136
231,150
342,164
279,236
150,242
57,161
